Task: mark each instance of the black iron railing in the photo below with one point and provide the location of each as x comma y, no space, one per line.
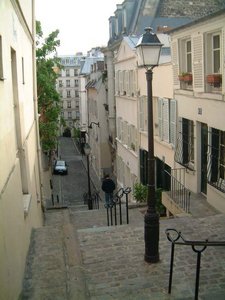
95,197
176,238
179,193
114,212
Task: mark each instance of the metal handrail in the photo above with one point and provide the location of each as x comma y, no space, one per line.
179,193
179,239
117,202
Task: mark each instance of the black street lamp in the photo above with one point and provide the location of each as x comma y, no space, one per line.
148,52
87,151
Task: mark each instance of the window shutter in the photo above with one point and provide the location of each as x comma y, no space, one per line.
116,82
127,83
175,64
129,135
198,74
178,157
141,113
160,103
131,83
165,121
121,82
173,113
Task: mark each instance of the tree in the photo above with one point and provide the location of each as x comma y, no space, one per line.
48,98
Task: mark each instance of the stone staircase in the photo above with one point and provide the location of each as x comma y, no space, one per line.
76,256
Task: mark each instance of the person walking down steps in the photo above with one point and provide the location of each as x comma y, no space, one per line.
108,186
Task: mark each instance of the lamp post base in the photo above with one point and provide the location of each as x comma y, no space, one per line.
151,237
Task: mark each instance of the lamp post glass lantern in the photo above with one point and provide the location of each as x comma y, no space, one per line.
148,52
87,151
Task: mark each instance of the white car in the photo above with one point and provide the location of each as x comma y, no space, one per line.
60,167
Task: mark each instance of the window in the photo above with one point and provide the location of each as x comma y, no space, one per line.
216,53
167,120
185,56
68,83
188,57
75,72
68,94
67,72
119,128
143,114
77,114
60,83
216,159
68,104
1,60
184,153
76,83
77,94
69,115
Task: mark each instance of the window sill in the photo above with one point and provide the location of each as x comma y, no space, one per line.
26,204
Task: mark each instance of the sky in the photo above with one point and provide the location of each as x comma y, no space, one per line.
82,24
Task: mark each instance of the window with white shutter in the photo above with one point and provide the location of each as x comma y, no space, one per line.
160,120
165,115
173,121
131,84
143,113
167,120
119,130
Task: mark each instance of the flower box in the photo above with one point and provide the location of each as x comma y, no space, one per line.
214,79
186,77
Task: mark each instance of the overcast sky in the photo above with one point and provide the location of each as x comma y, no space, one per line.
83,24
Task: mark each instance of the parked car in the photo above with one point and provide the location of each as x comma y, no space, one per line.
60,167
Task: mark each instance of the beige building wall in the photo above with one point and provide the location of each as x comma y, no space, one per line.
162,87
126,115
20,193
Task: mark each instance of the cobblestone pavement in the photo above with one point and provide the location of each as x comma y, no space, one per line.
77,256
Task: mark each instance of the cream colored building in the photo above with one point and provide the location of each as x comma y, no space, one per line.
199,50
20,194
100,157
126,113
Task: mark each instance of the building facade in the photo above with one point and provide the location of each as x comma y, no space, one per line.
97,119
129,20
68,86
20,180
198,52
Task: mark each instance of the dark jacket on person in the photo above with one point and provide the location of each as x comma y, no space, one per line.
108,186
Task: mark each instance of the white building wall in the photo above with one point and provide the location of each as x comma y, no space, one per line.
20,192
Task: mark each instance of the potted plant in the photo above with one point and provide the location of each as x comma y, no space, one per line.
185,77
214,79
140,192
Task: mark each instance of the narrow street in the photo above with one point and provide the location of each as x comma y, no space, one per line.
75,255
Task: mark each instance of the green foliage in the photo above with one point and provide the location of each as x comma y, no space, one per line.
48,97
140,192
77,133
